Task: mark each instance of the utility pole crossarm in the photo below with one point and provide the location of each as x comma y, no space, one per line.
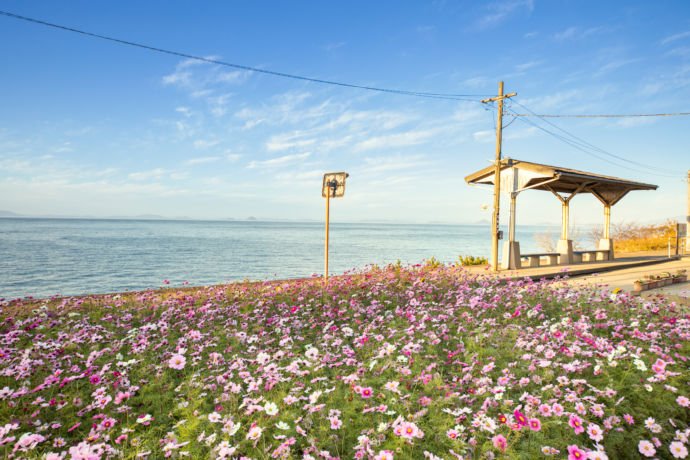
484,101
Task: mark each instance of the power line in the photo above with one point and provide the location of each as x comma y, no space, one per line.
589,148
594,147
455,97
603,116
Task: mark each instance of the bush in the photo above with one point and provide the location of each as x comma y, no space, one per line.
471,260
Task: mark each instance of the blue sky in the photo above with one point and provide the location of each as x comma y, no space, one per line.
92,127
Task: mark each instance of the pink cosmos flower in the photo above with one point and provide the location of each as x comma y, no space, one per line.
678,449
520,418
629,418
683,401
500,442
84,451
646,448
659,366
597,455
545,410
534,424
366,392
574,453
576,423
336,424
177,361
384,455
594,432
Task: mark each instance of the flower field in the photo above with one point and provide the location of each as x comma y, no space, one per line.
414,362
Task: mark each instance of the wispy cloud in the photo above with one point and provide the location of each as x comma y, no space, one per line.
484,135
675,37
576,33
333,46
614,65
202,160
285,142
201,144
141,175
312,175
498,11
396,140
393,162
274,162
567,33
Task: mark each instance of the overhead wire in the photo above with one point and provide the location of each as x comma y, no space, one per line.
572,140
585,145
603,115
447,96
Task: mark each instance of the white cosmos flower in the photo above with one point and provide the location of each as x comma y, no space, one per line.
271,408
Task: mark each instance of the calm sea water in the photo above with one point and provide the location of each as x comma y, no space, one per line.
45,257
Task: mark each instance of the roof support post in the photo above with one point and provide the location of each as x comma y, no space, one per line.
511,236
607,221
565,211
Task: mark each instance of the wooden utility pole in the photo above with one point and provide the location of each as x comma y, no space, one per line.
328,215
687,218
497,176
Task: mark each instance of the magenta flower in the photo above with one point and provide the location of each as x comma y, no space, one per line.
520,418
500,442
534,424
575,453
576,423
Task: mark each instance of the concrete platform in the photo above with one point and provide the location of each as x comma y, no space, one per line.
620,273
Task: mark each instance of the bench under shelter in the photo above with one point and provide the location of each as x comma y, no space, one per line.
517,176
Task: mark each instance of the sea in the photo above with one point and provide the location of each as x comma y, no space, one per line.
42,258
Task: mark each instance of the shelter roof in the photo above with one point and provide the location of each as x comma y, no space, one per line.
517,176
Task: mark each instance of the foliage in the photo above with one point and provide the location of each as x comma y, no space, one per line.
472,260
394,362
631,237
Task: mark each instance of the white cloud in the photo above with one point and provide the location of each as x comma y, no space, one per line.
201,144
393,162
675,37
526,65
484,136
567,33
202,160
305,175
141,175
613,65
233,156
278,161
332,46
576,33
284,142
404,139
502,9
184,111
105,172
